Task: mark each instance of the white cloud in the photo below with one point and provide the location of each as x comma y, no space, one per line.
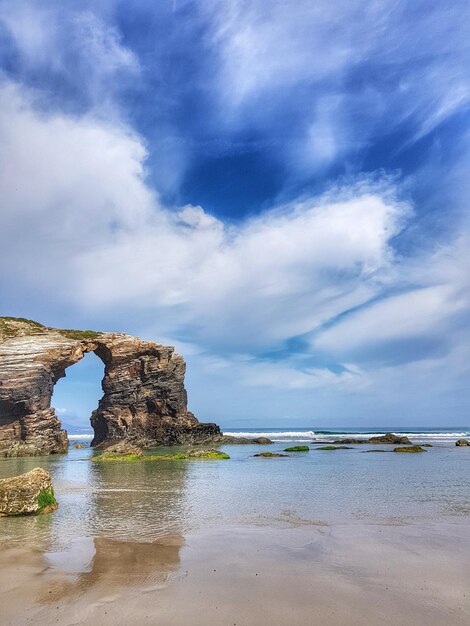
80,224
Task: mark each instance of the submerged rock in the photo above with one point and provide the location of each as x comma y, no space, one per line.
334,448
410,449
144,398
28,494
297,449
271,455
462,443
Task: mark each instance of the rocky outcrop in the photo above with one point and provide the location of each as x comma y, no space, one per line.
144,399
388,438
27,494
462,443
232,440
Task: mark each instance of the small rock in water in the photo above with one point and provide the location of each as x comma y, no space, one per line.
206,454
462,443
271,455
79,446
27,494
410,449
122,448
297,449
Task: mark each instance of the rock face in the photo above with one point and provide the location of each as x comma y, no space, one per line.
27,494
144,399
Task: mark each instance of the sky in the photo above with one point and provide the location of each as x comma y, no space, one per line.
279,190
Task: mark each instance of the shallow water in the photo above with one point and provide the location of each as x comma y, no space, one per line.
144,501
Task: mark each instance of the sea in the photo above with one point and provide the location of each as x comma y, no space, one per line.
143,501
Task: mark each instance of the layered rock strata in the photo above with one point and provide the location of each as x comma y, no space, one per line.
144,399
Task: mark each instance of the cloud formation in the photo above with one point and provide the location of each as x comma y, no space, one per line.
333,298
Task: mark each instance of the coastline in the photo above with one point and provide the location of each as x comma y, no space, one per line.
283,571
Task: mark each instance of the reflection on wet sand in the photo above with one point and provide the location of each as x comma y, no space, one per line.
106,565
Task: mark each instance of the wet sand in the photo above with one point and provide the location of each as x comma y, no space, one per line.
281,572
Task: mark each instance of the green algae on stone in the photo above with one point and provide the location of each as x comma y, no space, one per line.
271,455
179,456
297,449
46,501
409,449
334,448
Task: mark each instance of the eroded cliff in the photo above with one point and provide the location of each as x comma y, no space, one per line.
144,398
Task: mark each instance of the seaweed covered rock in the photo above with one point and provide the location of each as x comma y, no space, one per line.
206,454
462,443
271,455
297,449
27,494
409,449
121,449
232,440
108,455
390,438
334,448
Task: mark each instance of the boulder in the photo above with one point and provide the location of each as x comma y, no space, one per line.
462,443
27,494
79,446
390,438
123,448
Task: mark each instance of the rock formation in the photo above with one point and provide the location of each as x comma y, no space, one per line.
27,494
144,399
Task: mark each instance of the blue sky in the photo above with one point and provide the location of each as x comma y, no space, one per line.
279,190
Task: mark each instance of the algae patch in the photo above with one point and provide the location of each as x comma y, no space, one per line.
297,449
46,501
180,456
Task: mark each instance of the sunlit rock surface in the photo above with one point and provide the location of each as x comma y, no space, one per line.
144,399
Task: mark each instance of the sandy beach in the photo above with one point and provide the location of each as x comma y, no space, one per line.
284,571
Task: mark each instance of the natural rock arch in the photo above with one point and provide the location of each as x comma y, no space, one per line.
144,398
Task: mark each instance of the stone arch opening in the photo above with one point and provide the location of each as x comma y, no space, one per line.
144,399
77,394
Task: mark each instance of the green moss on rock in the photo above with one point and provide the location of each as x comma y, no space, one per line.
270,455
333,448
80,334
179,456
297,449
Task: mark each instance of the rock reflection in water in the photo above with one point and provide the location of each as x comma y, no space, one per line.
107,566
